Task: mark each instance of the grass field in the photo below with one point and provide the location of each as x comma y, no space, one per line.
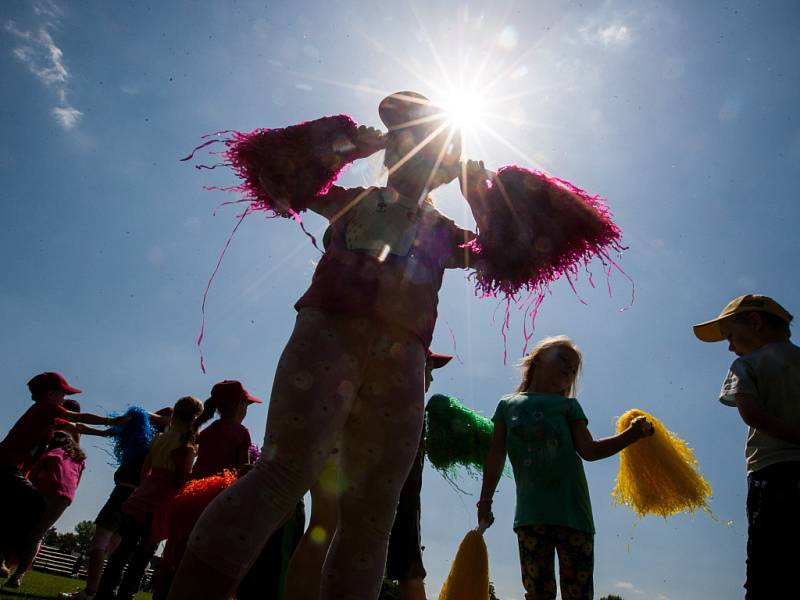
43,585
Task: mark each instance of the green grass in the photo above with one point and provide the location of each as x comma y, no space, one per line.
38,585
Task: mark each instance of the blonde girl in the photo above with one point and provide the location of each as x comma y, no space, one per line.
543,430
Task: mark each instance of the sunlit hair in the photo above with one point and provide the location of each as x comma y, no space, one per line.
64,440
528,364
185,412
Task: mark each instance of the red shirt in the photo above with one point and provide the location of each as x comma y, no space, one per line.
221,446
401,286
30,435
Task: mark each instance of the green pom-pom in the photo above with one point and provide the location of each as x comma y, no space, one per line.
456,436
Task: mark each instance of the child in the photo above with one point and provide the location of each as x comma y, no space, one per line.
25,443
543,429
225,444
764,384
56,476
108,520
166,469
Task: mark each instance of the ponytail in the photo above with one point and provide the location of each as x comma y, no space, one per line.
186,411
210,407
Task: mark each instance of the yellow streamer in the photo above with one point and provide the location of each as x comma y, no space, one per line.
469,575
658,474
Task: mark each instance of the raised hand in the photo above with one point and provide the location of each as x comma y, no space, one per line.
641,427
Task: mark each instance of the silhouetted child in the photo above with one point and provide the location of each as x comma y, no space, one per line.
166,468
25,443
543,429
764,384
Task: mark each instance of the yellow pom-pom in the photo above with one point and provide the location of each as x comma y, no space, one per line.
469,575
658,474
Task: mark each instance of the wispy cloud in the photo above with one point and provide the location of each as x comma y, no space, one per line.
607,34
67,116
627,585
38,52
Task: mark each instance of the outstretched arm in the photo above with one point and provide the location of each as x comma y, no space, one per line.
492,470
92,419
82,429
590,449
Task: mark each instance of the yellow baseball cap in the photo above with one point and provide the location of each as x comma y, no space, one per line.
710,330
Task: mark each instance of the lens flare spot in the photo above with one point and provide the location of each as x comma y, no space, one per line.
319,535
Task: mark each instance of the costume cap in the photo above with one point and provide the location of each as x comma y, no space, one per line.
50,380
438,360
710,330
409,109
230,389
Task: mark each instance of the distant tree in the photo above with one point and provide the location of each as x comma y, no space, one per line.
84,531
51,537
611,597
67,542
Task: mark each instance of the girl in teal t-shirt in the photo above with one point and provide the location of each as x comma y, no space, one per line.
543,429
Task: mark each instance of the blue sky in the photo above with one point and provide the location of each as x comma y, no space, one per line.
682,114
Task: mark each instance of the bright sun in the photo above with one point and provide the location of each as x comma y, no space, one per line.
464,109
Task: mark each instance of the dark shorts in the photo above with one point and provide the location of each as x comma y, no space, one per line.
21,506
404,558
110,516
538,546
773,528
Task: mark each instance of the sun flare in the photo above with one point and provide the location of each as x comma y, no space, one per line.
464,109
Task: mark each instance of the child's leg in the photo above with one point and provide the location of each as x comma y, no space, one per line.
305,568
537,560
54,508
19,498
130,535
99,550
380,442
404,556
132,580
773,498
575,563
311,398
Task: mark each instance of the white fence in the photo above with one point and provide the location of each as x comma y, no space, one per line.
52,560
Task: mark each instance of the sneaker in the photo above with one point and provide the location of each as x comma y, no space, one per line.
13,583
79,595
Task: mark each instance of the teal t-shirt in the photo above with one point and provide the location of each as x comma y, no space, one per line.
551,484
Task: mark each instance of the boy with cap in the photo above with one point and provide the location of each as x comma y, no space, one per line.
764,384
26,442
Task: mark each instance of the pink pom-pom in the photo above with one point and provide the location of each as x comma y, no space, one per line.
301,161
534,228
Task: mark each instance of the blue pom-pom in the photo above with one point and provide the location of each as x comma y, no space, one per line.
132,441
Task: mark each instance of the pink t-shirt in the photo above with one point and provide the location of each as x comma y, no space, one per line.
220,446
57,474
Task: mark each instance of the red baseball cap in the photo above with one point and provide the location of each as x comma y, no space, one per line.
50,380
230,389
438,360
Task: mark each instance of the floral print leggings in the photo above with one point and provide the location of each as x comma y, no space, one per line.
343,385
538,545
